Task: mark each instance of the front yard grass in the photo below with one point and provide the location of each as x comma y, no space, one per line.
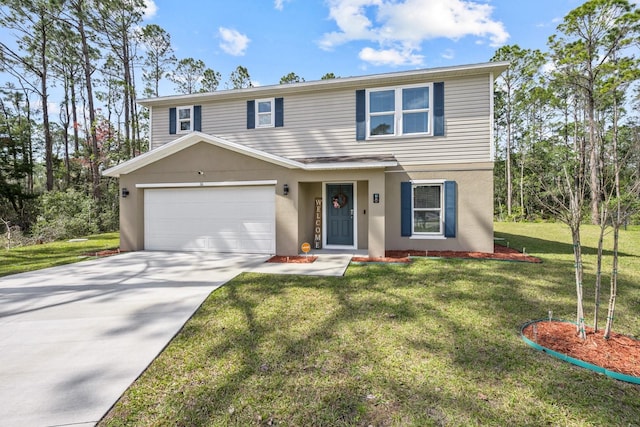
36,257
431,343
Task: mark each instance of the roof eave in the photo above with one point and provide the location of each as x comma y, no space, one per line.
496,68
349,165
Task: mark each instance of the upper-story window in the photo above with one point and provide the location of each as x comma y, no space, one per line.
399,111
265,113
185,119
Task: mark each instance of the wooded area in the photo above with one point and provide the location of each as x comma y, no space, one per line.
97,58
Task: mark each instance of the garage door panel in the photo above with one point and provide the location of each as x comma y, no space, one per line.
179,243
227,219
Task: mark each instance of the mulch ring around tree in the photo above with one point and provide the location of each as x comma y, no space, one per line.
500,253
619,353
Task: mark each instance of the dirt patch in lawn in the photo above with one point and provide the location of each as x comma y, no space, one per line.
619,353
100,254
293,259
499,252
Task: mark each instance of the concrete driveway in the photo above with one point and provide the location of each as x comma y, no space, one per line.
73,338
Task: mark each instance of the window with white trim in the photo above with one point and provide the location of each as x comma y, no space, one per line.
427,208
184,119
399,111
265,113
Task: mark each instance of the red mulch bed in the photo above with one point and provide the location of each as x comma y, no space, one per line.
293,259
499,252
619,353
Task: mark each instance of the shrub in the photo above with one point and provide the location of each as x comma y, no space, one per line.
64,215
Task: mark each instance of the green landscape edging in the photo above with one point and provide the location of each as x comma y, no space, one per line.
577,362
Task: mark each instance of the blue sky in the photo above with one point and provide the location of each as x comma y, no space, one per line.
349,37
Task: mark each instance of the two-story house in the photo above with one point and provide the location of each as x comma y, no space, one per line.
382,162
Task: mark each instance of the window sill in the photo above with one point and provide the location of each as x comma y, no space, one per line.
392,137
428,237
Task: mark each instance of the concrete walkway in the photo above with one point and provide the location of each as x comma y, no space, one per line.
73,338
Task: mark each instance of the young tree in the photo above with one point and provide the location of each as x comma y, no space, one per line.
588,53
624,196
563,185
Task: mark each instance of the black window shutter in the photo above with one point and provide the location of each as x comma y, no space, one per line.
450,209
251,114
197,118
438,109
172,121
361,115
279,122
405,209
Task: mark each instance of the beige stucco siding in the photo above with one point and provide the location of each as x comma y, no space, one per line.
294,212
474,220
322,123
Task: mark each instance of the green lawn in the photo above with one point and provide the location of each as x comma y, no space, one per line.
28,258
432,343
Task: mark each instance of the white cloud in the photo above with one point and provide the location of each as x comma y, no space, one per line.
392,56
448,54
150,9
402,26
233,42
53,108
279,4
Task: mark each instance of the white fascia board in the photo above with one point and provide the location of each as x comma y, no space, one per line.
348,165
208,184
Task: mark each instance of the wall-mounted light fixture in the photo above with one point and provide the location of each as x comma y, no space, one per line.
285,190
125,193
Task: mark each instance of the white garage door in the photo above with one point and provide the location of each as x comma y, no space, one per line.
216,219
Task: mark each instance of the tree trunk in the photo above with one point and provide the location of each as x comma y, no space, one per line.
614,282
598,286
95,152
48,141
508,168
577,254
74,114
127,96
617,222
